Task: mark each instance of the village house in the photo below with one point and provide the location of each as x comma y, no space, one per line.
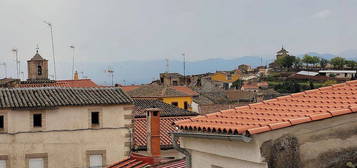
226,77
315,128
344,74
179,96
53,127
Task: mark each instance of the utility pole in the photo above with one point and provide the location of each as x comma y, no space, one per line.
17,63
53,48
184,68
73,48
167,65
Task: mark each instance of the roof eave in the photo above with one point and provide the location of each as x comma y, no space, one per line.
213,136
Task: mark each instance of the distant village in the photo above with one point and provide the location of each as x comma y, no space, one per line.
294,112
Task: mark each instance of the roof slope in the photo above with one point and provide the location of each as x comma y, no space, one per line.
140,161
48,97
278,113
155,91
168,110
83,83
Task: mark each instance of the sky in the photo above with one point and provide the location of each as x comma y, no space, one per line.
122,30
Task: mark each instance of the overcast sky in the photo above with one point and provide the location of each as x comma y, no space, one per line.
118,30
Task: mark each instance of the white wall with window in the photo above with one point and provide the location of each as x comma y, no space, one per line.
36,163
95,161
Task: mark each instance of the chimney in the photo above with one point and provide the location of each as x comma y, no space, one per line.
153,132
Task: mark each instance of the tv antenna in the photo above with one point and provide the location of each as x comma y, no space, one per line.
53,47
111,72
167,65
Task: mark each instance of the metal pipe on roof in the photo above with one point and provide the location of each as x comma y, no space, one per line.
176,135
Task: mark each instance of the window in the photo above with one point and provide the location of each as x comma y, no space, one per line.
175,83
4,161
39,70
185,105
95,118
38,160
36,163
95,161
37,120
175,104
96,158
2,123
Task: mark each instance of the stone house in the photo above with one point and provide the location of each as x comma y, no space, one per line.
63,127
312,129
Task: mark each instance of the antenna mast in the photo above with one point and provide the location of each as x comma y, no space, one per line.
17,63
167,65
111,72
72,46
53,48
184,68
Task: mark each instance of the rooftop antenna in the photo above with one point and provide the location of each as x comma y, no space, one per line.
261,60
184,68
111,72
73,49
167,65
53,47
17,63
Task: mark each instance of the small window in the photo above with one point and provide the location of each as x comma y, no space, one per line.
39,70
95,118
3,163
37,120
36,163
185,105
175,104
2,123
175,83
95,161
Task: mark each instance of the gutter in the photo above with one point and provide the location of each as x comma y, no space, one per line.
176,135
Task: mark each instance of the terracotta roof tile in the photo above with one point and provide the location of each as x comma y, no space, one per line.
186,90
281,112
82,83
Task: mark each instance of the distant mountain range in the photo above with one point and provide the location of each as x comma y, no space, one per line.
137,72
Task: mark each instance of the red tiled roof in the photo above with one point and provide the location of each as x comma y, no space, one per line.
186,90
129,88
55,84
141,161
166,126
278,113
82,83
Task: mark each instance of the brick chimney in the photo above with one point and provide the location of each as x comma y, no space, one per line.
153,132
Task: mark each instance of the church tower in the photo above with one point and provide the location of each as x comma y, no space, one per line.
282,53
37,68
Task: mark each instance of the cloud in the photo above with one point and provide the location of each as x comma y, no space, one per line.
322,14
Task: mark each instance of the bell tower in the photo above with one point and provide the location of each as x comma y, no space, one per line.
37,67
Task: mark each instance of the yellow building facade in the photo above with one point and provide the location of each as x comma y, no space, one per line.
225,77
181,102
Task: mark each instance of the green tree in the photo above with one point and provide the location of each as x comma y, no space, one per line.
338,62
315,60
351,64
297,63
323,63
307,59
237,84
286,62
